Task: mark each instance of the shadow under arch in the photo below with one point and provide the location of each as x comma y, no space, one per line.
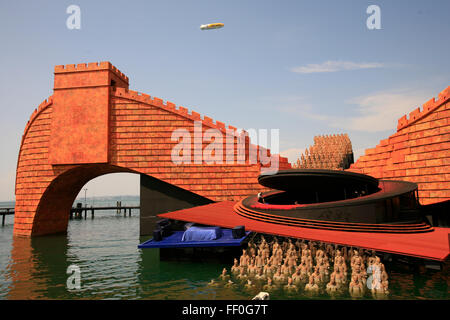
52,214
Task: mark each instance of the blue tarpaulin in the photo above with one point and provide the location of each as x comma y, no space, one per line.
202,234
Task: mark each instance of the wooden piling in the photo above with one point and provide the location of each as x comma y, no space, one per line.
77,212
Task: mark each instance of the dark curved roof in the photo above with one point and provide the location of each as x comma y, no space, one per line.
317,179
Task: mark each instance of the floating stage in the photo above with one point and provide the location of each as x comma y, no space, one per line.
175,240
432,245
338,207
196,242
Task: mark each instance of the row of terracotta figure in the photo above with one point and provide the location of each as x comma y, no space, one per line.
306,266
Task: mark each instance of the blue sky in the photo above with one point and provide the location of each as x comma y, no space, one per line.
304,67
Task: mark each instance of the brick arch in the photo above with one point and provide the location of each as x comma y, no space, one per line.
92,125
52,212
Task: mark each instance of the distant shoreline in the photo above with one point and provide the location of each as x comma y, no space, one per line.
11,203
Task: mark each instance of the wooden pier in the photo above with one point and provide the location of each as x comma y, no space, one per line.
6,212
77,212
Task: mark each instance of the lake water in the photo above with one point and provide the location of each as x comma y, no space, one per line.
112,267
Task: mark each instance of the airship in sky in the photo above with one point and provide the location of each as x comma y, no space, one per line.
211,26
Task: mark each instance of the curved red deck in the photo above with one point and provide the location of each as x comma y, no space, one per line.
431,245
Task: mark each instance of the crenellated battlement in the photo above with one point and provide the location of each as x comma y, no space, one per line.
427,108
43,105
191,115
91,66
170,106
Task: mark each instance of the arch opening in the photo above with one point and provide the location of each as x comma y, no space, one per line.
52,214
156,196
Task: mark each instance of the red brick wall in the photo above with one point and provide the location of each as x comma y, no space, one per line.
419,151
60,153
34,173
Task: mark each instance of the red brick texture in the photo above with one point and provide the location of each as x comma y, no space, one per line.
419,151
93,125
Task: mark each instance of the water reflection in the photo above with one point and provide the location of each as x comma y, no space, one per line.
37,267
112,267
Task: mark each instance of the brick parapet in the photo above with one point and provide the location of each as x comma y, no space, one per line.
427,108
172,108
419,152
92,66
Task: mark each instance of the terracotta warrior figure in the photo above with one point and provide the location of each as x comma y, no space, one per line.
267,269
245,259
332,286
278,277
297,276
341,268
323,269
235,269
251,250
304,274
355,287
242,276
290,287
251,268
224,276
340,278
249,286
285,268
259,261
384,275
311,286
269,286
292,259
356,259
338,258
260,276
317,276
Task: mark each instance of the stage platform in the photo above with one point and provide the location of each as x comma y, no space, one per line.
432,245
175,241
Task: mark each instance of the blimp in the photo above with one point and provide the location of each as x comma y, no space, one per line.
211,26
